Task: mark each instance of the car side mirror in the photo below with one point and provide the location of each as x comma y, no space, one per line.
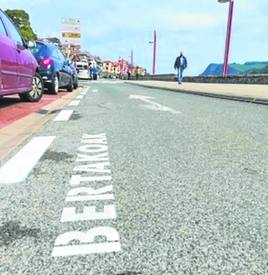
68,62
29,44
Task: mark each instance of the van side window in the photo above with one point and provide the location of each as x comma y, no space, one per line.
2,28
11,29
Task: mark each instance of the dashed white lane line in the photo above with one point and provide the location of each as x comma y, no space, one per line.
94,90
74,103
80,97
85,91
18,168
64,115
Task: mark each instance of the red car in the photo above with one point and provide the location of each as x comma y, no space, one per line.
18,67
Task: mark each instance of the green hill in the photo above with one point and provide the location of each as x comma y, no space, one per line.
236,68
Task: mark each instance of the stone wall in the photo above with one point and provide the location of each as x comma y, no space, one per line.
241,79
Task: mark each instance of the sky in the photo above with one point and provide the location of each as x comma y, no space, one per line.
111,28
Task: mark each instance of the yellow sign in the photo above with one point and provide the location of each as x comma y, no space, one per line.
71,35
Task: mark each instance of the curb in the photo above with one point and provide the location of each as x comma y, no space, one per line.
30,124
220,96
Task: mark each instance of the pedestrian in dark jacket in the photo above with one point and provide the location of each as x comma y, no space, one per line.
128,75
180,65
95,73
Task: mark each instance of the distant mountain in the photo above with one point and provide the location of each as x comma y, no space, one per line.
236,69
260,71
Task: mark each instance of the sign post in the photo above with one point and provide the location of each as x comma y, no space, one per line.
71,35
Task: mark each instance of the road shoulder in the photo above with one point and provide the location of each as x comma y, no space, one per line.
13,135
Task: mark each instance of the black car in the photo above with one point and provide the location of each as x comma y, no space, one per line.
53,67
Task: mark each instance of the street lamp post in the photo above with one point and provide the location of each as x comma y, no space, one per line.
228,35
154,52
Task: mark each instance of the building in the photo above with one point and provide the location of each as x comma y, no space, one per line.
109,68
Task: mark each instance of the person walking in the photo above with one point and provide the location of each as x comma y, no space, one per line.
180,65
137,72
128,74
95,73
90,71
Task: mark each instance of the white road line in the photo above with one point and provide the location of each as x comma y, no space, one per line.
94,90
153,105
64,115
84,92
80,97
18,168
74,103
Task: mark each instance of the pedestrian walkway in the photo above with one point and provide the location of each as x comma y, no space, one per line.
242,92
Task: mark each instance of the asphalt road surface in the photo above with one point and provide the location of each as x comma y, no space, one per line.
139,181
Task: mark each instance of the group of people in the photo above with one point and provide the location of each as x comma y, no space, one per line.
137,73
180,65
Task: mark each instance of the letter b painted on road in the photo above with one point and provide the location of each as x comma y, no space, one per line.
87,245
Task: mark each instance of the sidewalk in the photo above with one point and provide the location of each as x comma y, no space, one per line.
248,93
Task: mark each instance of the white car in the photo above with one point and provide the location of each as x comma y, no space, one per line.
83,70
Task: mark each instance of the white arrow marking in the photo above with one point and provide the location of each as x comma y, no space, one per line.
153,105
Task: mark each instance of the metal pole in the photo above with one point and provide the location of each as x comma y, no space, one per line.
132,58
154,53
228,38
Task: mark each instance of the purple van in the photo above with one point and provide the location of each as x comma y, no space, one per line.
18,67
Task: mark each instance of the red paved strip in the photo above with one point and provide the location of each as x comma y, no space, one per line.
12,109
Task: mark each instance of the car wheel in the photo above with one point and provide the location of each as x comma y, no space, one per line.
76,84
70,86
54,86
37,91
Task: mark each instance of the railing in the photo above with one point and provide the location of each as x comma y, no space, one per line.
235,79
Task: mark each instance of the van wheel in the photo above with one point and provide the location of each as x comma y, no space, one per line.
54,86
70,86
37,91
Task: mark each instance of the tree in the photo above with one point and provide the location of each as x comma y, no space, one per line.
22,21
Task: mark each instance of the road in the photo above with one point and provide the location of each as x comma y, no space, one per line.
139,181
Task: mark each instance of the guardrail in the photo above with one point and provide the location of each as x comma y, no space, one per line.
233,79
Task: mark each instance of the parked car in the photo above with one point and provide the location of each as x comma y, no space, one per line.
53,67
18,67
83,70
